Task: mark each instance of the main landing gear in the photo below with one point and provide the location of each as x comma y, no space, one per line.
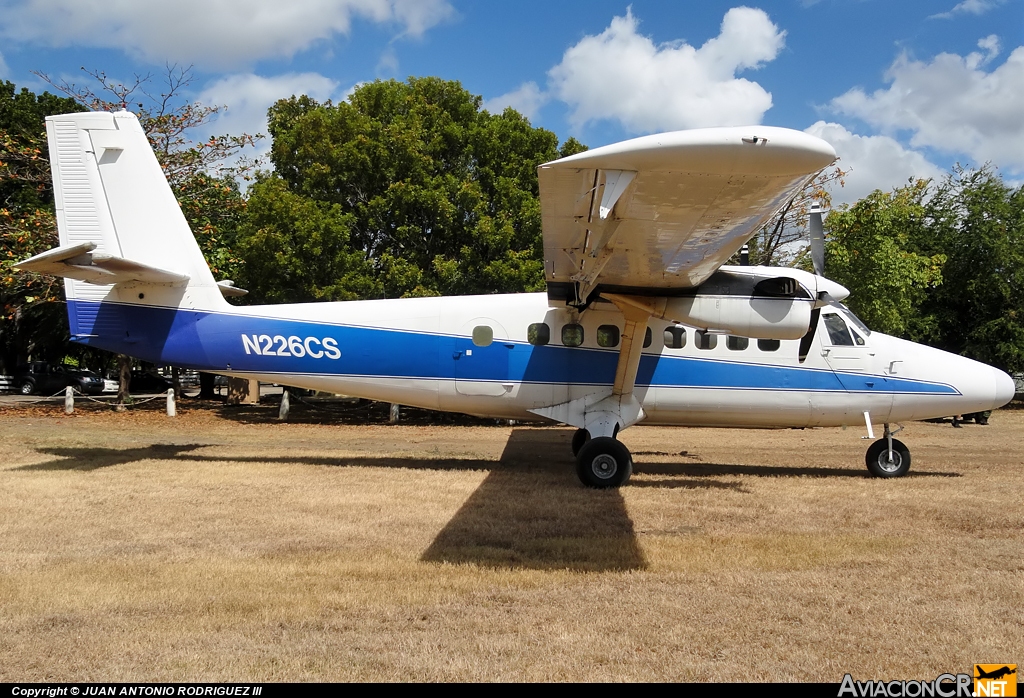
888,457
601,462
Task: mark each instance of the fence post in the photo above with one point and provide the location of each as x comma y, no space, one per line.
69,400
283,412
172,410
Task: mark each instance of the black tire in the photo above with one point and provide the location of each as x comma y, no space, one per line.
26,387
604,462
581,437
877,459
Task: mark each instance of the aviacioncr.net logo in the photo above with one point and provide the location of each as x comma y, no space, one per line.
944,686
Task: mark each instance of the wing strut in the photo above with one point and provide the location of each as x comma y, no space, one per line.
606,412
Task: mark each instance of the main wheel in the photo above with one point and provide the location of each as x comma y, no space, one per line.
581,437
604,462
878,459
26,388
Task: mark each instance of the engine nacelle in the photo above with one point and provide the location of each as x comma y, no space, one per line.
756,302
759,318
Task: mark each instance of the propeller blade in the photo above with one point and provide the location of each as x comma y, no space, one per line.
817,235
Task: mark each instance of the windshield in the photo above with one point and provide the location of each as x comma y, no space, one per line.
855,320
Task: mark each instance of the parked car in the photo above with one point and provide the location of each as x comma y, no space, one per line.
149,382
110,383
84,381
39,377
141,381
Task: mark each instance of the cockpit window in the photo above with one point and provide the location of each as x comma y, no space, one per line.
858,323
837,332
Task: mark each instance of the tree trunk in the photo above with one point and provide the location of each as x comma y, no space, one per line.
206,387
242,391
124,378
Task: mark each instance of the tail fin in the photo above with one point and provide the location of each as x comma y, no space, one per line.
123,237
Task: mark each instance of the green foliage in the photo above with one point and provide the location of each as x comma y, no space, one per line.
978,223
297,249
437,195
782,240
869,250
205,185
942,264
32,315
33,319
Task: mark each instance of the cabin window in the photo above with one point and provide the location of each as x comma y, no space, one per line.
737,343
675,337
858,340
538,334
648,338
838,334
607,336
768,344
483,335
572,335
705,340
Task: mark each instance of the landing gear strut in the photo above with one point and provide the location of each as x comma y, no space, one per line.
604,462
888,457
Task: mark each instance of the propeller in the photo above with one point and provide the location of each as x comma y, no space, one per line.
817,235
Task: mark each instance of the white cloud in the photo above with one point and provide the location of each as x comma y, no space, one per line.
212,34
4,70
969,7
622,75
527,99
875,162
247,97
951,104
387,64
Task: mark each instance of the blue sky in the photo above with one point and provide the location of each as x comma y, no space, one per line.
901,88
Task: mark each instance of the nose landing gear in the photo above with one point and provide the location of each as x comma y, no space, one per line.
888,457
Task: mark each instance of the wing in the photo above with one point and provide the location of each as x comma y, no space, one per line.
661,213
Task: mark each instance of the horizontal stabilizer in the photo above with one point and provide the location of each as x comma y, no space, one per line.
229,290
81,263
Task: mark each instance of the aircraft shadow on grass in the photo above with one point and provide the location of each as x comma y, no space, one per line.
530,510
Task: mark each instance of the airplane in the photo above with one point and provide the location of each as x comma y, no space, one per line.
995,674
642,320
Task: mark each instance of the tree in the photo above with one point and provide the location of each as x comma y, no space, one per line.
203,175
424,192
870,249
783,240
977,222
34,319
32,315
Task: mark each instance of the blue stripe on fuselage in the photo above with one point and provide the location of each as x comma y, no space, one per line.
213,342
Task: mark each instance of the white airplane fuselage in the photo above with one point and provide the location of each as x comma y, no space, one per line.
424,352
636,233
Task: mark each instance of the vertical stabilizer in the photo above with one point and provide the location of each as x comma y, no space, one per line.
114,204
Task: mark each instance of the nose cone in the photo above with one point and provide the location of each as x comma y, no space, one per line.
1005,388
837,291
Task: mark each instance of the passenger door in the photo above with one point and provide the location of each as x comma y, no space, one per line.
481,358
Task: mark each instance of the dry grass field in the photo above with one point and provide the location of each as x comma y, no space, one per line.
224,546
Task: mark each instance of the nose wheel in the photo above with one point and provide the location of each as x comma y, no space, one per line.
888,457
